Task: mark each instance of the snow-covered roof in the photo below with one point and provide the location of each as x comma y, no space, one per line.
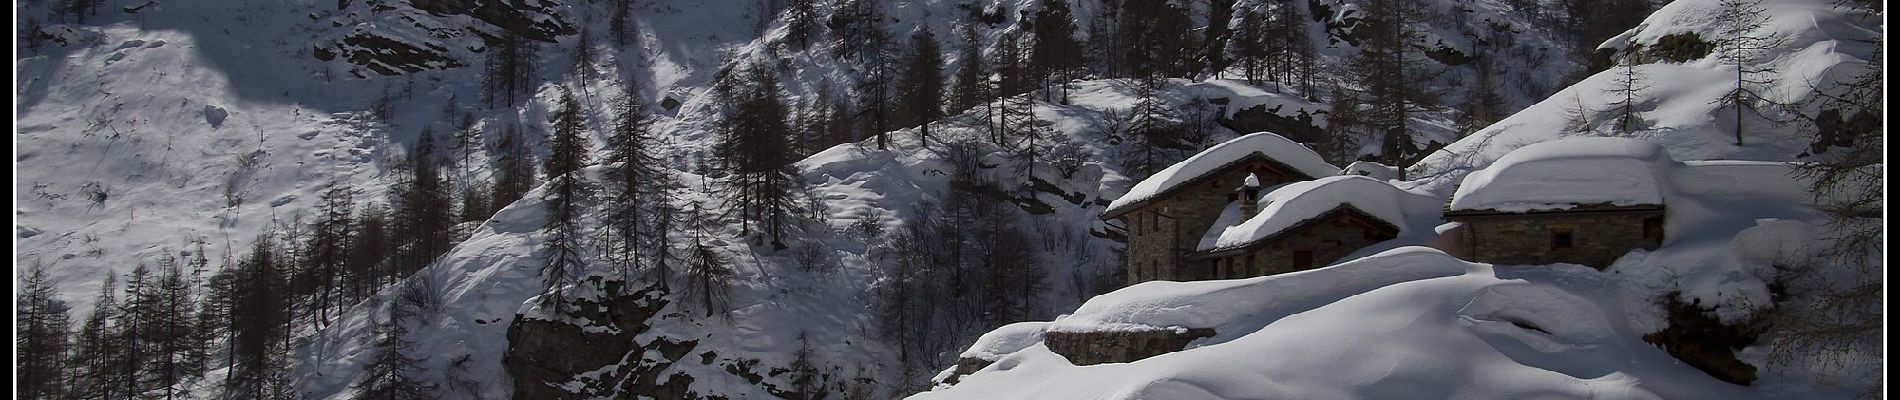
1561,174
1372,169
1297,202
1158,305
1266,144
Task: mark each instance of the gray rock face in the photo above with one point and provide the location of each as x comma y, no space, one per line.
545,355
399,37
215,115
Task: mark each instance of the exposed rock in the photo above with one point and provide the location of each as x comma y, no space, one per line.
392,37
388,56
544,356
1090,348
966,366
215,116
521,17
1259,118
1704,342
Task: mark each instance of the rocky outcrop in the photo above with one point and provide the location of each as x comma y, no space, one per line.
388,56
398,37
1300,127
547,358
520,17
1704,342
1090,348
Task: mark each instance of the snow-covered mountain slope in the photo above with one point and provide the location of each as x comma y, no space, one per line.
1676,103
178,130
188,128
495,272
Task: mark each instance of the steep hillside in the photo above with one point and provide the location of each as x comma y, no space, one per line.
190,129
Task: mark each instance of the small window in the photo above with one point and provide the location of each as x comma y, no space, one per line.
1561,239
1653,228
1302,259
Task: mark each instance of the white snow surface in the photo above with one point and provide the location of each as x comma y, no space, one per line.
1005,340
1823,45
1293,203
1560,174
1408,323
1268,144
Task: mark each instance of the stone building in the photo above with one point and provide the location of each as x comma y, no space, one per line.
1304,225
1582,201
1166,215
1588,234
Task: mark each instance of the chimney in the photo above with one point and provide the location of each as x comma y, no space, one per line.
1250,197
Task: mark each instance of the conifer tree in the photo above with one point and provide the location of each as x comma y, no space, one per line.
708,274
805,378
858,26
971,84
1152,130
1739,46
514,169
509,71
131,328
801,22
567,187
98,348
171,307
1214,43
1344,124
390,373
326,257
1056,54
922,83
40,337
636,184
620,23
1390,69
371,251
258,323
1625,87
425,212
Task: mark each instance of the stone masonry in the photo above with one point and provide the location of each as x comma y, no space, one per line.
1593,236
1324,239
1164,230
1090,348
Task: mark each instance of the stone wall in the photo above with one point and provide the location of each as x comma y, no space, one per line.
1597,238
1090,348
1161,234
